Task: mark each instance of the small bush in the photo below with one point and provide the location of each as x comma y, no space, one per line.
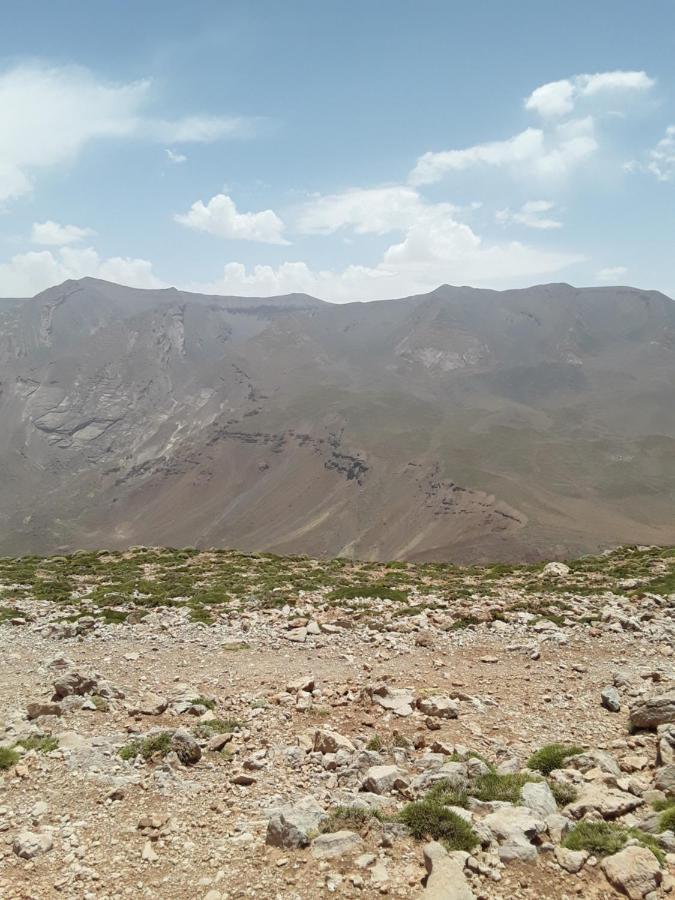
374,590
204,701
443,792
563,793
353,818
41,744
599,838
207,730
667,820
159,743
8,758
505,788
429,818
552,756
605,838
375,743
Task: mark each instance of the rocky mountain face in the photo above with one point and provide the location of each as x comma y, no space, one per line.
460,425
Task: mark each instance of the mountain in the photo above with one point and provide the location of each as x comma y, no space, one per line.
459,425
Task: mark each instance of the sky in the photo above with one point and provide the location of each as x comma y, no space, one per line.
349,149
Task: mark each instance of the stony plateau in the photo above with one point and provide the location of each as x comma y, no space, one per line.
432,731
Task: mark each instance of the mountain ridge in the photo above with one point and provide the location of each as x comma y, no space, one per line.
462,424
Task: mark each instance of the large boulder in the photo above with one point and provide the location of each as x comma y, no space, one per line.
74,683
384,779
607,802
442,707
538,796
665,780
634,871
653,711
328,741
29,844
445,878
399,701
185,747
292,825
516,829
335,844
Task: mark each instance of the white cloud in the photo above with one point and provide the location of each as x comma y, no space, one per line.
51,233
558,98
366,211
49,114
175,158
533,151
28,273
434,249
662,157
530,214
221,218
611,274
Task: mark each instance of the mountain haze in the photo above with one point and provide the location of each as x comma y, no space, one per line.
459,425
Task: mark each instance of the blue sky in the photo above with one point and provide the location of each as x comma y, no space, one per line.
353,150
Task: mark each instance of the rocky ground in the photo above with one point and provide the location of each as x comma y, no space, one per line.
211,725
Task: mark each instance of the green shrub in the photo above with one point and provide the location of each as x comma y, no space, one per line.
606,838
667,820
375,743
563,793
431,819
599,838
552,756
207,730
159,743
352,818
204,701
505,788
375,590
8,758
41,744
443,792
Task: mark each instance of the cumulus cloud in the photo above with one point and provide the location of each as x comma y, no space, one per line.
49,114
221,218
544,154
51,233
530,214
28,273
612,274
558,98
434,249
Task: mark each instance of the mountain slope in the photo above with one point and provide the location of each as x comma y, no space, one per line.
464,424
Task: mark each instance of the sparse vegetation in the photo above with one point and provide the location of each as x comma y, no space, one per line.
431,819
606,838
42,744
552,756
8,758
157,744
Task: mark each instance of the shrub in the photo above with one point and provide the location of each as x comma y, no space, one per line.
203,701
8,758
41,744
375,743
207,730
373,590
353,818
552,756
429,818
667,820
563,793
599,838
606,838
159,743
505,788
